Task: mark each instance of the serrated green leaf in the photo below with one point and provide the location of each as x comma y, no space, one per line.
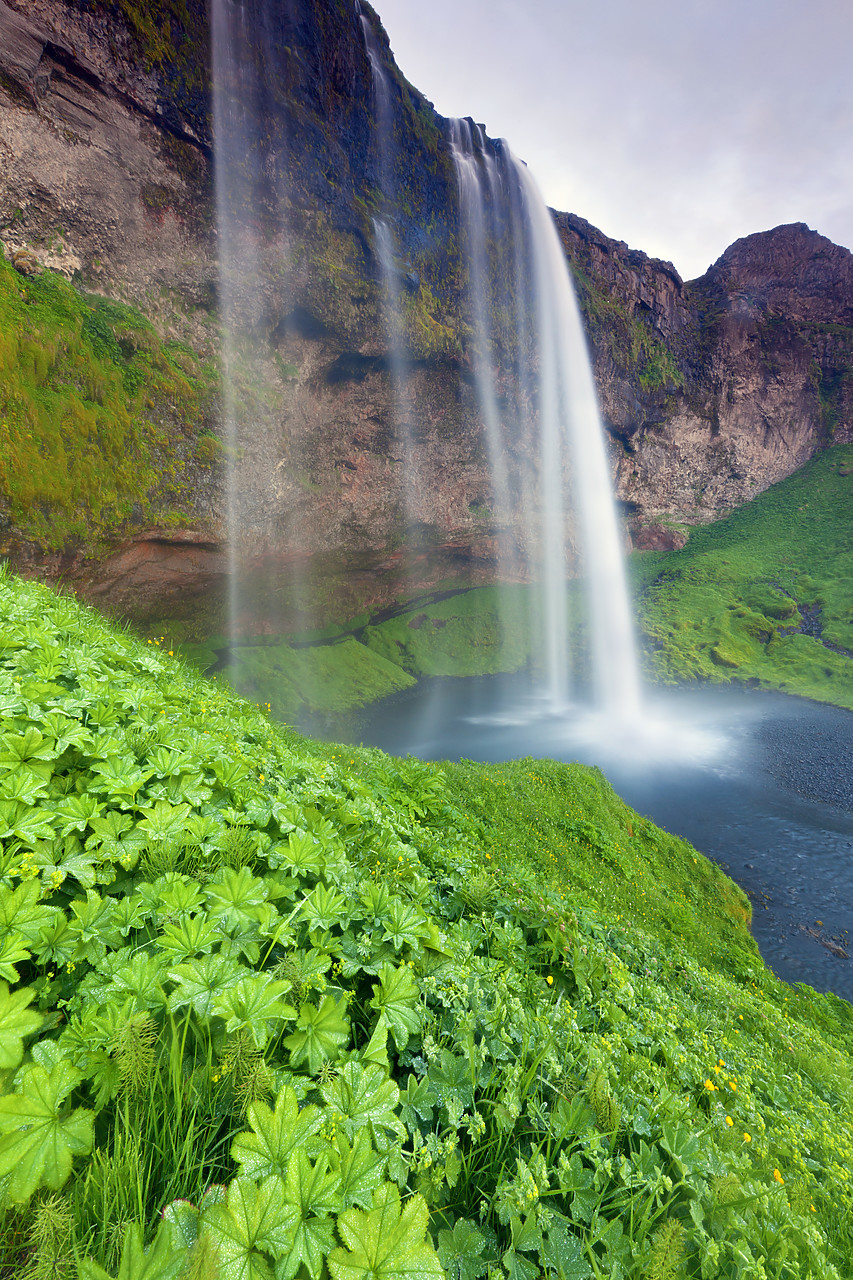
450,1079
29,825
191,936
39,1142
16,1022
164,1260
139,978
13,951
376,1049
363,1095
404,925
255,1004
313,1190
302,855
23,785
320,1034
360,1169
57,859
276,1135
416,1103
74,813
386,1243
397,999
460,1251
57,942
17,748
22,912
164,821
118,777
94,925
201,981
255,1220
325,908
564,1253
237,899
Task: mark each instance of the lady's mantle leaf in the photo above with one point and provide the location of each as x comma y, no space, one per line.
21,911
564,1252
276,1135
38,1142
16,1022
12,952
164,821
404,925
26,823
255,1004
191,936
461,1249
201,981
237,899
364,1095
396,998
360,1169
254,1219
386,1243
312,1189
320,1034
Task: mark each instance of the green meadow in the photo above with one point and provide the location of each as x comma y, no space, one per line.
272,1008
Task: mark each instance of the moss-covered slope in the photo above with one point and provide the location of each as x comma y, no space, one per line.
274,1006
765,595
102,424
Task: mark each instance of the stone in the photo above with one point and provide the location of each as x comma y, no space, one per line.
711,389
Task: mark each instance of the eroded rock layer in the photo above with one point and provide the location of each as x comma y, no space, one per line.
711,390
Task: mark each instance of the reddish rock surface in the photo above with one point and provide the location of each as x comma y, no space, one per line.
711,390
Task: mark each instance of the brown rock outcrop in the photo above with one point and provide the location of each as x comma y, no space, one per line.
711,390
719,387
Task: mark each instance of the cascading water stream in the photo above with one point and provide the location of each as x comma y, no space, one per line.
234,125
569,415
479,186
386,252
499,202
528,361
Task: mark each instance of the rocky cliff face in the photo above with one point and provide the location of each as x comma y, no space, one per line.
710,390
719,387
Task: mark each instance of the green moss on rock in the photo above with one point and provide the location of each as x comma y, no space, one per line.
92,405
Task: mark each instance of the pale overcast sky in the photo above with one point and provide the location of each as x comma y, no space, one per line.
676,125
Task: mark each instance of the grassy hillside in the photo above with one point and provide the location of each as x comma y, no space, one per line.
274,1008
765,595
90,402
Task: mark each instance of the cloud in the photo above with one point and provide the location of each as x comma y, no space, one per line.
677,125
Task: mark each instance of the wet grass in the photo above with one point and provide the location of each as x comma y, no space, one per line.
764,596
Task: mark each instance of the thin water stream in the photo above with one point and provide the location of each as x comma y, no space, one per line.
762,783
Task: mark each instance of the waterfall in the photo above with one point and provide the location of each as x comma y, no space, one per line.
507,229
236,108
569,417
385,243
481,208
551,511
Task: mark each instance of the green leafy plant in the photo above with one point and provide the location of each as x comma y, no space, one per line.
272,1008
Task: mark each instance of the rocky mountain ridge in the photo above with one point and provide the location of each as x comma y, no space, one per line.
711,389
